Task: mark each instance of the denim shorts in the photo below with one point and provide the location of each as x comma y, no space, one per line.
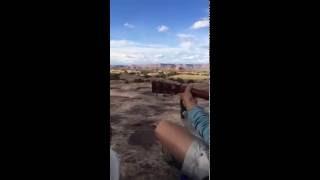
196,164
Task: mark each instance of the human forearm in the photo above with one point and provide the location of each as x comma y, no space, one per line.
200,121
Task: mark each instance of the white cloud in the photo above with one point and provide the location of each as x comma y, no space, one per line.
186,44
204,22
126,43
187,41
159,56
186,37
127,25
162,28
129,52
189,36
121,43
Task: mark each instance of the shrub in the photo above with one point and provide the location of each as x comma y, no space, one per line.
161,76
190,81
172,73
180,80
114,76
145,72
138,80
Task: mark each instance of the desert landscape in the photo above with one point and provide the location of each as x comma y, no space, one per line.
133,109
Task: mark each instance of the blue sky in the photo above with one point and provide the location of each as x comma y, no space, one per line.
159,31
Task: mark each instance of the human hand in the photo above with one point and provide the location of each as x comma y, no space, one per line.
187,99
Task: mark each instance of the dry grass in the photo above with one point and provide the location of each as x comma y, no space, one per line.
190,77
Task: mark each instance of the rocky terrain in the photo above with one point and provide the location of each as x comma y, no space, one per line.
133,108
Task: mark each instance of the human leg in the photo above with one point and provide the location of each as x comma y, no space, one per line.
174,138
189,150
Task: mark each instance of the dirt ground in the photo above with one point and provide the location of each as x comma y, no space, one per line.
133,108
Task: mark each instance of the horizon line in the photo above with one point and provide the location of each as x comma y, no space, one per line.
158,63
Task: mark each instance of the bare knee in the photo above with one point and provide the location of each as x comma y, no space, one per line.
162,126
174,137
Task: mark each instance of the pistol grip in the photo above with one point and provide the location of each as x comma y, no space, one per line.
182,109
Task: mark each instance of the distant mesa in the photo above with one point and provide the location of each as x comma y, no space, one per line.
163,66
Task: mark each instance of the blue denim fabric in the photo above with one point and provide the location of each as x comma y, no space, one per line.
200,121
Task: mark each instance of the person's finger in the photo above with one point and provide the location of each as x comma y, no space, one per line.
195,100
188,88
181,95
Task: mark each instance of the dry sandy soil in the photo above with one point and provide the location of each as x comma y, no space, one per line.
133,108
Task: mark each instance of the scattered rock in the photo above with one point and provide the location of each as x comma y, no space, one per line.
133,108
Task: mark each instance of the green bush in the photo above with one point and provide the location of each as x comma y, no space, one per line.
145,72
114,76
161,76
146,76
172,73
180,80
